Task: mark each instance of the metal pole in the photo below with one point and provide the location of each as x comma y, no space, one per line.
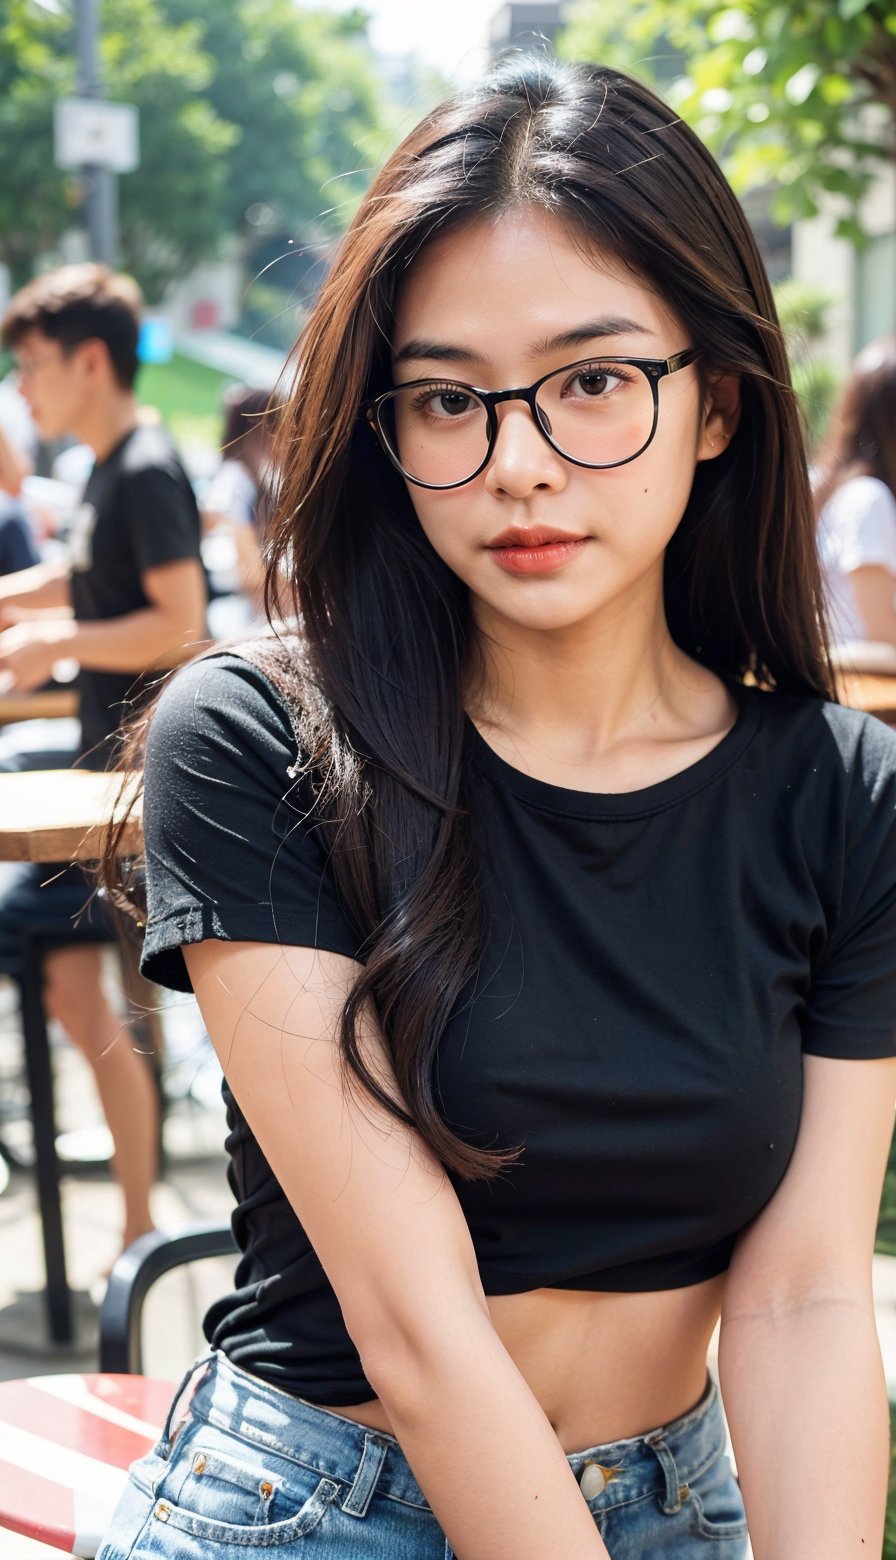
99,192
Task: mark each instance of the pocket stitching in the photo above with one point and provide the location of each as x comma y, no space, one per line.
708,1527
269,1535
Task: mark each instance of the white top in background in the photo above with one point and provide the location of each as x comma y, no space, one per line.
857,527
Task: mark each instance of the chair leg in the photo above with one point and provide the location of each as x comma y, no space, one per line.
40,1083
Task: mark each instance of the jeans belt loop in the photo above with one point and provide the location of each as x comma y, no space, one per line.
365,1481
660,1446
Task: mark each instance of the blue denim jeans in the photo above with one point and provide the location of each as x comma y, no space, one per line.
248,1466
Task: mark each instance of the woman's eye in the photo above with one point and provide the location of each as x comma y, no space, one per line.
594,381
448,403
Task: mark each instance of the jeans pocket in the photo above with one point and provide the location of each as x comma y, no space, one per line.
716,1506
241,1495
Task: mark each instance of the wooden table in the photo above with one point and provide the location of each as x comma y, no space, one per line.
54,815
61,814
43,704
65,1446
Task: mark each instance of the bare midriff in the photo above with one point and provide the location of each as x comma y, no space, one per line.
603,1366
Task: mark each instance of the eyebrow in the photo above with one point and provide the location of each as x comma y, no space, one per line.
420,347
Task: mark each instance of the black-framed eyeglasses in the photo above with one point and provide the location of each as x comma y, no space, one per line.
598,412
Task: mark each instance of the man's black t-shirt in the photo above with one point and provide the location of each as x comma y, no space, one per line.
138,513
657,963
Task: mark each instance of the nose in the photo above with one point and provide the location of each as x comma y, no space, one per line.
522,460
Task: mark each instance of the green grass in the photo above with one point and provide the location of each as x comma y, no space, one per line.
188,397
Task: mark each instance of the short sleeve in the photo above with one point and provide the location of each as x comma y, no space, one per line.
232,851
161,515
851,1005
865,521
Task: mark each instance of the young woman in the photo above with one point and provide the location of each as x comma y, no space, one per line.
236,499
856,502
550,963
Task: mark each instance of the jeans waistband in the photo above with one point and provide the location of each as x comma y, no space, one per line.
660,1461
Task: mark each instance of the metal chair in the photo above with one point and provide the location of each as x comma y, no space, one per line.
134,1273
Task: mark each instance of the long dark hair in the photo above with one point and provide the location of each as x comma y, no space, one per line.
385,624
861,437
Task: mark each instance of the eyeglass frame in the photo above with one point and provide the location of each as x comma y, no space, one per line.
654,369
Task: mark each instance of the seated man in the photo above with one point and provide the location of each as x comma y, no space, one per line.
130,597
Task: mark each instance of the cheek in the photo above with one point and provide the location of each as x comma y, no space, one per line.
661,479
445,523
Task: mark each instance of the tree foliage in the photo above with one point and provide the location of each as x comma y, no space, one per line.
308,110
243,104
801,95
170,208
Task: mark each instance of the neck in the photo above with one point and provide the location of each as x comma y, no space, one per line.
584,688
108,420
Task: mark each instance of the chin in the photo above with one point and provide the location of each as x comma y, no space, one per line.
543,618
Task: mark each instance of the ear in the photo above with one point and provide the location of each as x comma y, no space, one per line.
94,355
721,415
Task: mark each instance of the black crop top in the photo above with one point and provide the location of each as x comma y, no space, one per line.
656,964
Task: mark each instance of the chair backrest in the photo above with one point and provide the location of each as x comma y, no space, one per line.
137,1269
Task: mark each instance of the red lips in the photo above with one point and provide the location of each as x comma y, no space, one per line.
532,536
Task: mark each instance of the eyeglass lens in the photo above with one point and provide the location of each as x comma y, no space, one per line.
600,412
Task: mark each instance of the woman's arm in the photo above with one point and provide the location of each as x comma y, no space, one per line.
389,1231
799,1359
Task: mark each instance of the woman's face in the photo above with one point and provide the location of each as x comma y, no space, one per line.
497,304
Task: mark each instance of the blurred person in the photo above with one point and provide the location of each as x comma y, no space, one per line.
238,497
855,498
537,895
130,594
18,442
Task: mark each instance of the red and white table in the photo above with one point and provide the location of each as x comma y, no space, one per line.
66,1443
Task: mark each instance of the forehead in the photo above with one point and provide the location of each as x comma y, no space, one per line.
515,277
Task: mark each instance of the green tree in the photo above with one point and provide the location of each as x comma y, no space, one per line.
307,107
251,106
803,312
801,95
172,208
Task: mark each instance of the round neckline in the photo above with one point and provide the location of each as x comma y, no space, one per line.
619,804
